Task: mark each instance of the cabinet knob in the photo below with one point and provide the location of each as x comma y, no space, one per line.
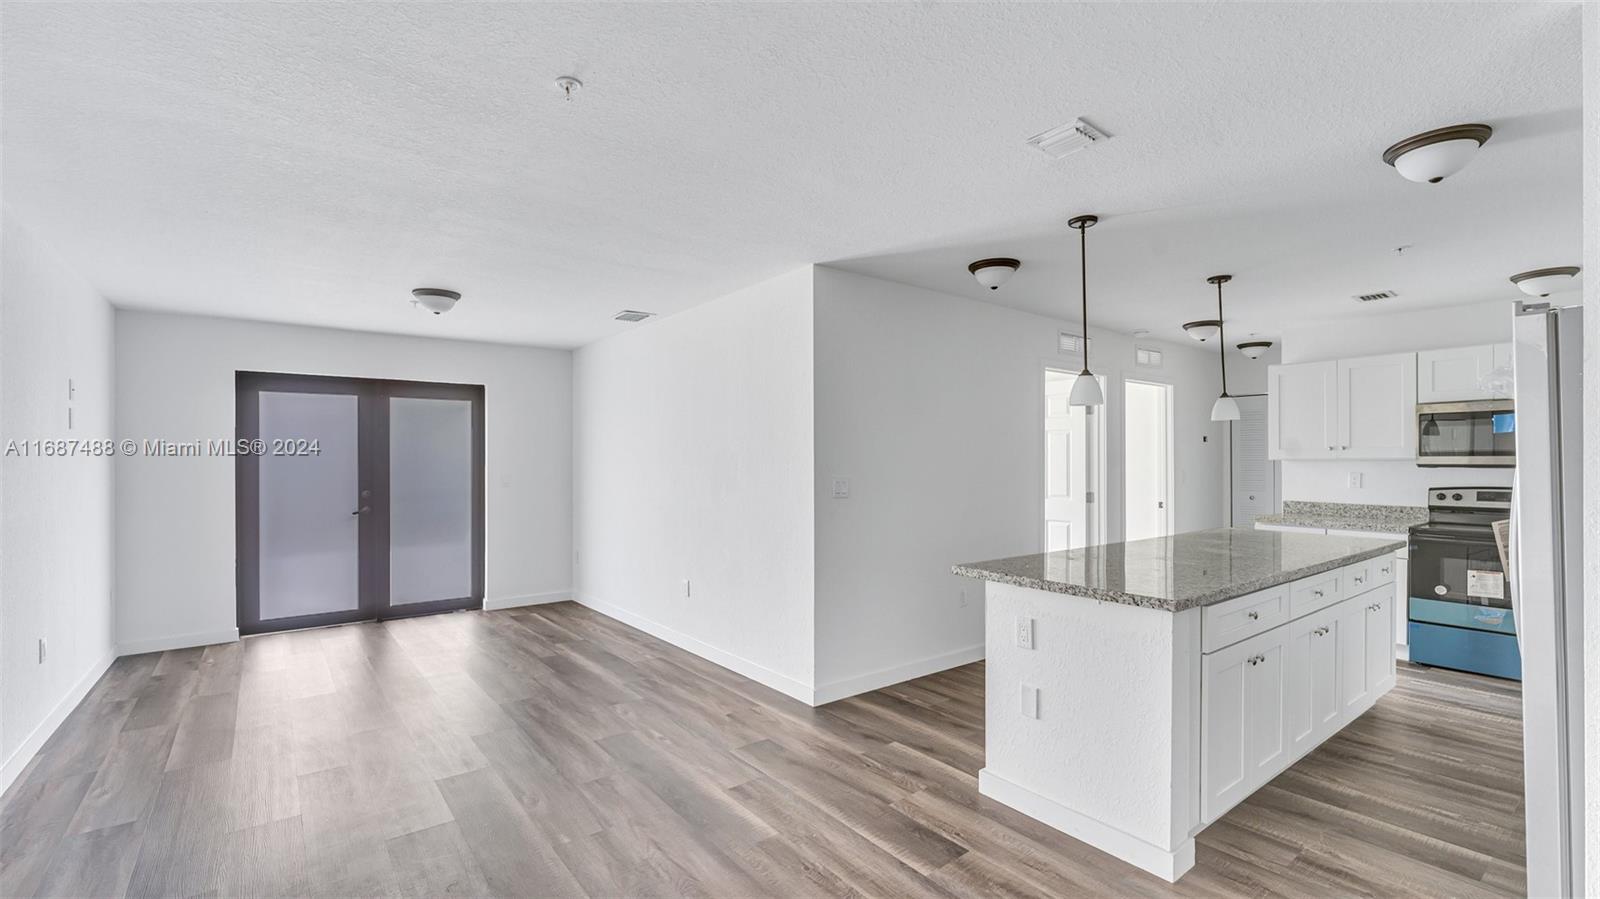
1317,593
1252,614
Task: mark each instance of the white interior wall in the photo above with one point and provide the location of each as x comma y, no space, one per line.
55,513
694,436
1391,482
932,406
175,516
1591,436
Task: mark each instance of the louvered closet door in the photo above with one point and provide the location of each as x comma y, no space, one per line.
1255,488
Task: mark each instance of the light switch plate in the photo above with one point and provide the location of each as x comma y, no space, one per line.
1024,632
1030,701
1355,479
841,488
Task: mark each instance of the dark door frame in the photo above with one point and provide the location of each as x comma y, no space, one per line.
372,430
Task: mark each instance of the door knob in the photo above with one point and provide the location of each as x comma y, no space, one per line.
362,509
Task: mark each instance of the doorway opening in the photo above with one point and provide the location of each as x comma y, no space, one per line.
1074,475
1147,475
356,499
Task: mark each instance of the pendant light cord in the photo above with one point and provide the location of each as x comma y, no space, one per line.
1222,342
1083,271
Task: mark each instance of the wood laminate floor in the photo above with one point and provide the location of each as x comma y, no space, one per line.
550,751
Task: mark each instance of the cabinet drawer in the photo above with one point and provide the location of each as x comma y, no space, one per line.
1316,592
1229,622
1383,570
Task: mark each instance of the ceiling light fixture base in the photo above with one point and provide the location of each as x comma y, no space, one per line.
1081,222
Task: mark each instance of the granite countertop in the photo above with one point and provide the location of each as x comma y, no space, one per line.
1348,516
1182,571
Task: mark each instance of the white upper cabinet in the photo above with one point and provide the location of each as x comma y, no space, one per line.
1302,410
1377,407
1464,373
1350,408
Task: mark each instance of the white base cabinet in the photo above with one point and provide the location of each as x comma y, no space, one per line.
1267,700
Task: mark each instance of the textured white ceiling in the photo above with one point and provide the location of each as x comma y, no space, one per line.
314,162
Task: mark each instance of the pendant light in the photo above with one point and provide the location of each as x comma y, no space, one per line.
1225,408
1086,389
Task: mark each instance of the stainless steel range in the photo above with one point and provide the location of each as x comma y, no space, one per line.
1460,609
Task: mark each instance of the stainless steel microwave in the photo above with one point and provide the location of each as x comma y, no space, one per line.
1476,433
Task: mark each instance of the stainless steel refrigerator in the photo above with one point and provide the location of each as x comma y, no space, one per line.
1546,549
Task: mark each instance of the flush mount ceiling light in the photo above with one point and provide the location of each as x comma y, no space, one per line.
1541,282
1255,349
1203,330
992,273
1433,156
435,299
1086,389
1225,408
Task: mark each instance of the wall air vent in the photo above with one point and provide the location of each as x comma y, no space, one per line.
1068,139
1068,342
1374,297
632,315
1147,357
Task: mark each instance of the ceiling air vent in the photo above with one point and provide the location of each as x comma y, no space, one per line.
632,315
1068,139
1068,342
1374,297
1147,357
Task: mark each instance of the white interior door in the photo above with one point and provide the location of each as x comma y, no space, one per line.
1147,449
1254,477
1068,492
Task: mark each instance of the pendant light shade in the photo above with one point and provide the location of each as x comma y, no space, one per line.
1225,408
1086,389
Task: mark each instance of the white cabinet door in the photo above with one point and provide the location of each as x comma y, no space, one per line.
1503,385
1313,685
1377,415
1351,639
1379,608
1454,375
1244,738
1302,410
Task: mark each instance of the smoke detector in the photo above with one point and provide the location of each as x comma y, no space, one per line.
435,299
632,315
1068,139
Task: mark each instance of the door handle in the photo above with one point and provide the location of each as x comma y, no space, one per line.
362,509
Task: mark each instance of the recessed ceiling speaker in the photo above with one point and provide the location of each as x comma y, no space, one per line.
992,273
1433,156
435,299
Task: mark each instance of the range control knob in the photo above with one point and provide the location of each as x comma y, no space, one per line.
1438,496
1456,497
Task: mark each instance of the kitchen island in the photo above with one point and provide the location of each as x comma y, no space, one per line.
1137,691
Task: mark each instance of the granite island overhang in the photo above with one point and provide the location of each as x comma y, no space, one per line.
1137,691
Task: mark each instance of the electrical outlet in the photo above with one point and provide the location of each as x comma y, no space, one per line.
963,599
43,648
1030,701
1024,632
686,591
1355,479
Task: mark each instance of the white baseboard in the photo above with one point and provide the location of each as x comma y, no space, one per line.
1164,864
1402,652
30,745
531,599
177,641
737,664
875,680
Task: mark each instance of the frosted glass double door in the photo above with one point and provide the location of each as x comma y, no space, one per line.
356,499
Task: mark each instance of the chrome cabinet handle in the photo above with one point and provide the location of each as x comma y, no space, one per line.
1360,581
1252,614
1317,593
1256,659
